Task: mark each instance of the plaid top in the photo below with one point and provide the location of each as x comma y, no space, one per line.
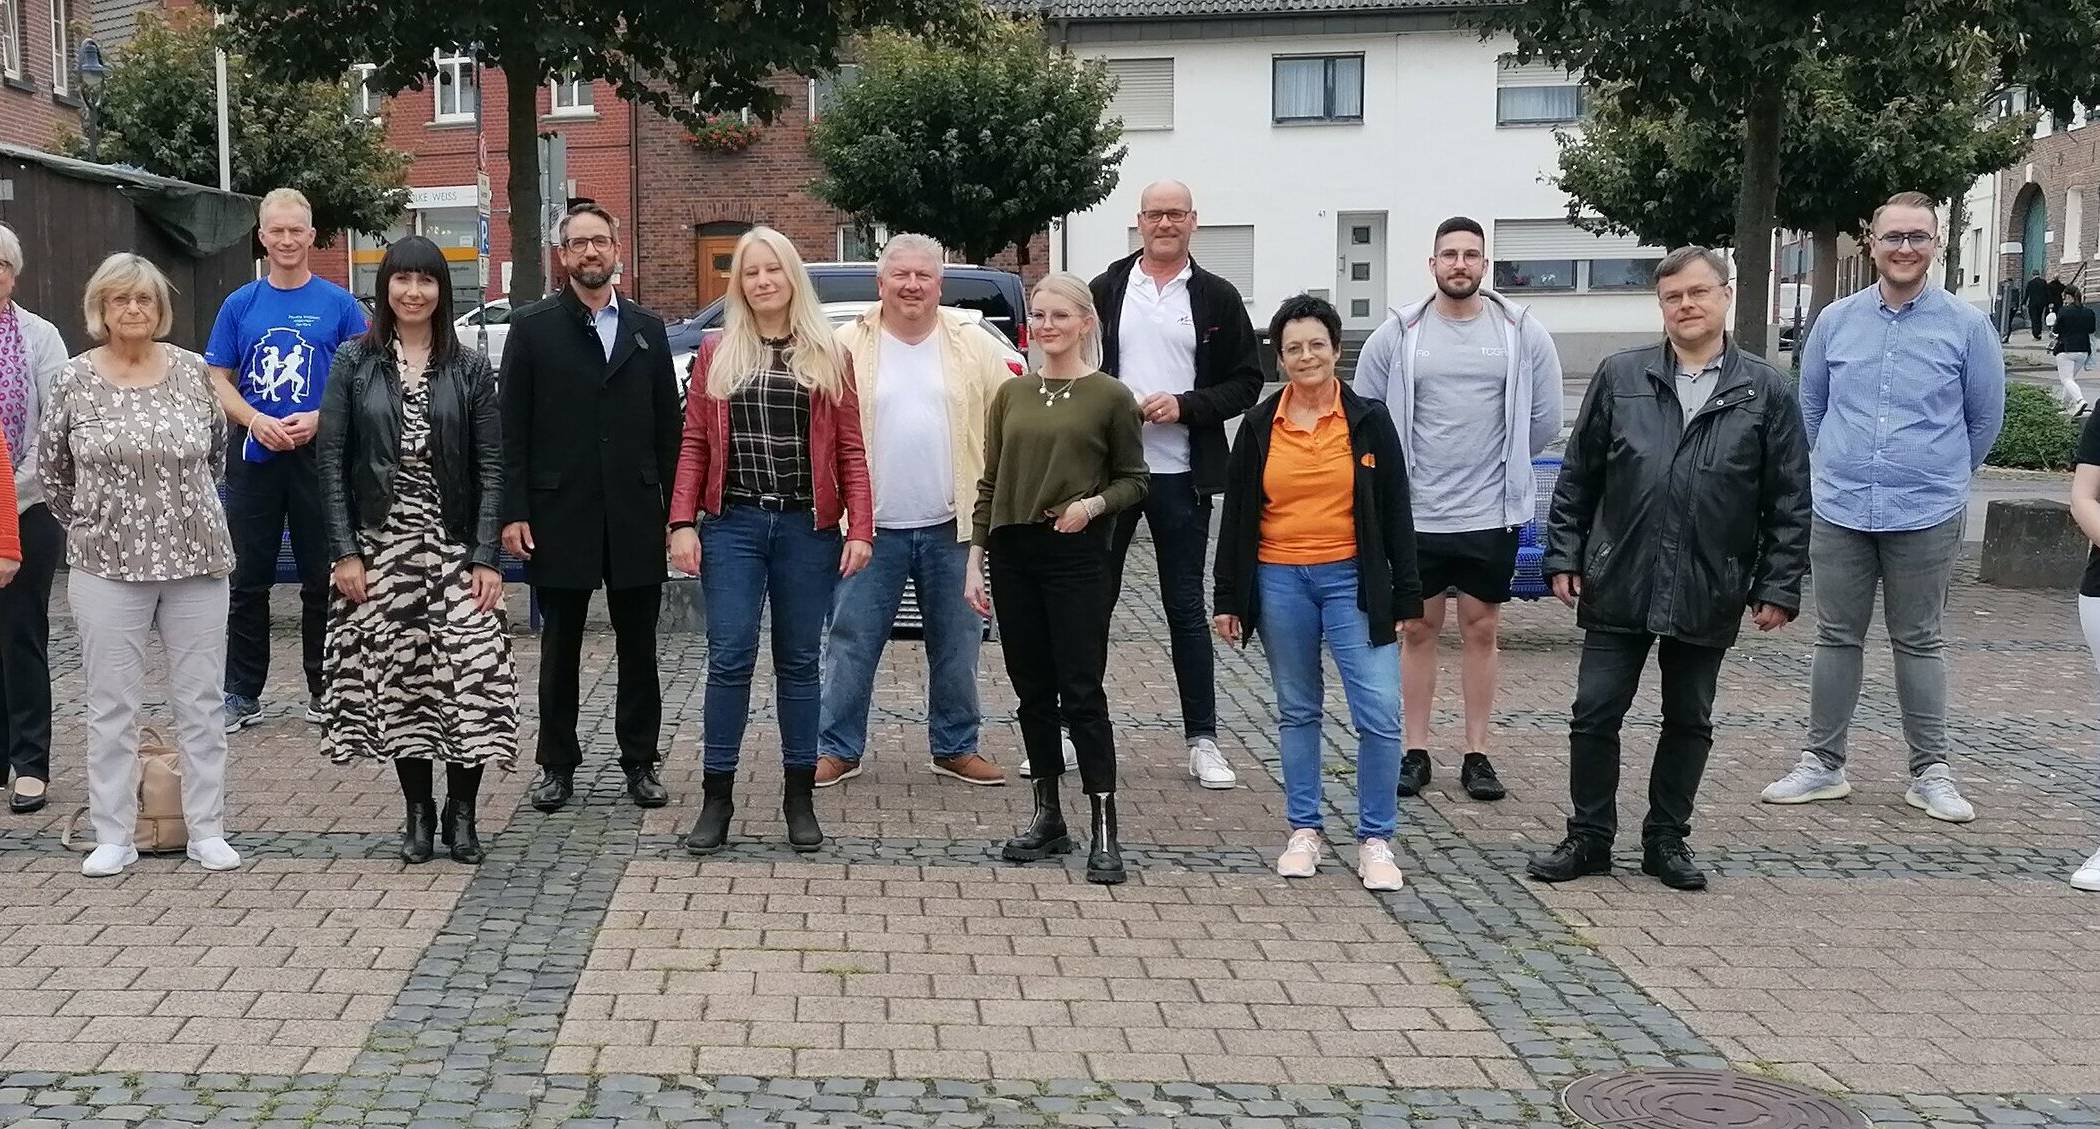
769,433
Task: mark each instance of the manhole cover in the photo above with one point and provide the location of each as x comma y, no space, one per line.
1703,1099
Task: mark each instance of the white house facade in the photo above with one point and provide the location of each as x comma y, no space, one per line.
1325,142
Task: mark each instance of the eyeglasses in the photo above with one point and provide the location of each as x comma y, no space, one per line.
1165,215
1898,240
1697,295
1052,317
583,243
1454,255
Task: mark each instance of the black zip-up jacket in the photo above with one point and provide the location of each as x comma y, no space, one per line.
1228,361
2074,329
360,448
1675,528
1388,588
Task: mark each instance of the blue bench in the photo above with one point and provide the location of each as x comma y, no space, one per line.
1528,584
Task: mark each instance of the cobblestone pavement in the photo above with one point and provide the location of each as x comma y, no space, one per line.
592,974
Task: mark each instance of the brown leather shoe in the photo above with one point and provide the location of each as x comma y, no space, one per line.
831,770
970,769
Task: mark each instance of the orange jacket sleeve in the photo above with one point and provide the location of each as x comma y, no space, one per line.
695,449
10,525
852,455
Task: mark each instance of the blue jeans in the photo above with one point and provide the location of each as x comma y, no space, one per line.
861,615
1300,606
747,556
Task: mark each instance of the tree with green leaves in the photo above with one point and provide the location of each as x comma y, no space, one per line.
979,141
158,111
682,58
1857,132
1740,62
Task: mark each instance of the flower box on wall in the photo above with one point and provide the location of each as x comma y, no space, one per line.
723,133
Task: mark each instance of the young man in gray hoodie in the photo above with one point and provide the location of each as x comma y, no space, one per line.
1474,386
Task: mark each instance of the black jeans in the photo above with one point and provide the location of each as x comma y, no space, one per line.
1179,518
638,704
25,641
1050,591
1604,688
261,500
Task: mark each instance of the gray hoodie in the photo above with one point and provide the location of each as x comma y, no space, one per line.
1532,391
47,355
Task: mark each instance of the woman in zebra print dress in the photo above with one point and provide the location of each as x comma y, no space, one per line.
417,664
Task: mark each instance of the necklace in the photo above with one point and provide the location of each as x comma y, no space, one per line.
1050,398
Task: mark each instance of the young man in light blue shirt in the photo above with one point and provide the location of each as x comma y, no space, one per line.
1903,393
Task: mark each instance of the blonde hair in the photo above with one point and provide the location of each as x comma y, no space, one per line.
1073,289
741,355
285,198
126,273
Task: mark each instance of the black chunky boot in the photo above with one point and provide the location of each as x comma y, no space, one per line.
1104,857
711,830
798,803
1045,834
459,833
415,835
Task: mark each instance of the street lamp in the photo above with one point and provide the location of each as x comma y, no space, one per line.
90,68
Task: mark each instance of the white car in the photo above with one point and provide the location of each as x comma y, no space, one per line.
469,325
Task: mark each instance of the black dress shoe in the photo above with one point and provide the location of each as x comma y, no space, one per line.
1572,859
1671,861
1414,771
645,789
23,805
1477,777
552,790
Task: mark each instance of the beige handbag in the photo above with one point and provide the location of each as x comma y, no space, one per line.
160,826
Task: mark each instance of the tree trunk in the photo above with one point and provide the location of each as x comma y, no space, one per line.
1754,209
528,272
1822,283
1957,224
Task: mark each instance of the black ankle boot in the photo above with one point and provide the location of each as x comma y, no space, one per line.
1045,834
415,835
459,833
1104,857
798,803
717,804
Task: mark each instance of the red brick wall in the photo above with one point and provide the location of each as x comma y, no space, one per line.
597,160
2063,162
685,187
30,116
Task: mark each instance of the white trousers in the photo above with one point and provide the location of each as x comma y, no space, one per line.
2067,366
114,617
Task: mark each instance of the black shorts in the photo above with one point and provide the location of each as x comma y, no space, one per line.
1479,563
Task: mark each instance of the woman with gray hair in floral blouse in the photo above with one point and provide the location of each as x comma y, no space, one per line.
132,445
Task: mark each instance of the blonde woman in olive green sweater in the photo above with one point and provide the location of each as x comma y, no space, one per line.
1064,449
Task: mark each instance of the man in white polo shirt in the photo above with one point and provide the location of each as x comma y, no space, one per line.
1180,338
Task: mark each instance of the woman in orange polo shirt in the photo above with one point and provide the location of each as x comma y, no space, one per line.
1317,543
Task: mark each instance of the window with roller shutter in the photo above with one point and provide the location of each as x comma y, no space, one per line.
1227,252
1530,94
1144,96
1555,256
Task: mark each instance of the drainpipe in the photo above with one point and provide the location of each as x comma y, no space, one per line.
634,179
1064,227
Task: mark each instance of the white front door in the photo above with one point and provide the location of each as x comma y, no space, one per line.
1359,281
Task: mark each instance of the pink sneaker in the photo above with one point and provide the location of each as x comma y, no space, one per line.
1375,865
1302,857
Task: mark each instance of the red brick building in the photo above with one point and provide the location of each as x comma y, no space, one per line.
38,89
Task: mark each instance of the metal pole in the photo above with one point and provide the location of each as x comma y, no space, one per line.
225,125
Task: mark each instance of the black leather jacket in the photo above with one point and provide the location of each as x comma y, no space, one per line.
360,447
1675,528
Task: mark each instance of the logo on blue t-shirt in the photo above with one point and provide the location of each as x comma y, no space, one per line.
280,368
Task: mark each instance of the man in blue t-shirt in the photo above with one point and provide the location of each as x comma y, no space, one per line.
269,355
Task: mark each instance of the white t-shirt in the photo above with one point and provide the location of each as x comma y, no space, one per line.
1157,352
914,466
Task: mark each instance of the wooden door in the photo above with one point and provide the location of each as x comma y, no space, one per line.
711,263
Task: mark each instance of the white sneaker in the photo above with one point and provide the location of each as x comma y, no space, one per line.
1375,865
1933,792
1809,781
2087,877
1302,856
1208,765
1071,757
214,854
108,860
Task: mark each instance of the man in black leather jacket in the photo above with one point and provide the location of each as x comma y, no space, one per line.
1683,500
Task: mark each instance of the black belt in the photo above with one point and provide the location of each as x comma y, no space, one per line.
772,503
